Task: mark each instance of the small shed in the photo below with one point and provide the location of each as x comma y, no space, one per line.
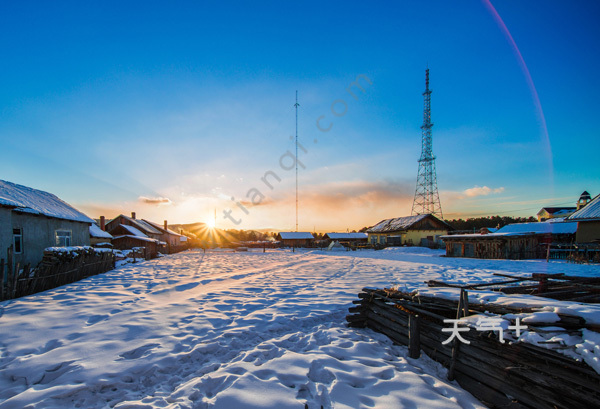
296,239
99,236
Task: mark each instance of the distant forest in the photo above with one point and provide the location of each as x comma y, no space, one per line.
477,223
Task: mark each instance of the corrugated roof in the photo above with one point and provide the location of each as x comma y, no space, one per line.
539,228
591,211
29,200
347,236
296,235
396,224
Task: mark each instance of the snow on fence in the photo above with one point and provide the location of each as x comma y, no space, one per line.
556,286
59,266
515,374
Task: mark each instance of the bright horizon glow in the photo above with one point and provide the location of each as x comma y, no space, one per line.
173,111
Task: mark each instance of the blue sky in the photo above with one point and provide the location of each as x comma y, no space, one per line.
170,110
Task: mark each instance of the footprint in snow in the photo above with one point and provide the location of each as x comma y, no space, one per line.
318,373
94,319
50,345
138,352
184,287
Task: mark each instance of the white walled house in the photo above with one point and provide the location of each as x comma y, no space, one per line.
32,220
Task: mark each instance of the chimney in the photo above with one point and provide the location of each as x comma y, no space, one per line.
166,225
102,223
133,215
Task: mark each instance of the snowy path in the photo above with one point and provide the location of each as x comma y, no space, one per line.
225,330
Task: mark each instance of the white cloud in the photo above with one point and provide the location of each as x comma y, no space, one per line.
155,200
481,191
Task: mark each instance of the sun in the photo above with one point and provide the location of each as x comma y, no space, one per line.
210,224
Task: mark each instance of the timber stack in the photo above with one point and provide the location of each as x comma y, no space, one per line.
59,266
501,375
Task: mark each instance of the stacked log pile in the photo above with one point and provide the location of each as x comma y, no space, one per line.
58,267
502,375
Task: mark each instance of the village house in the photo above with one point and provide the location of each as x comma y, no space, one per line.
554,212
126,237
175,241
588,222
32,220
419,230
130,232
561,212
146,228
296,239
514,241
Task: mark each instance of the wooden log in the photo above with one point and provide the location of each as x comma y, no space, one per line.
513,368
505,379
414,336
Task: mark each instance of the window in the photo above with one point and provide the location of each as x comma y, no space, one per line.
63,238
17,241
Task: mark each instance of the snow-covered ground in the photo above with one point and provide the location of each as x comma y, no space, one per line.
231,330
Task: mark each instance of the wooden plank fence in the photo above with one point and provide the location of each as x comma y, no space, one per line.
517,375
55,269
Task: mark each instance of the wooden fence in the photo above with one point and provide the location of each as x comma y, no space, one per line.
56,269
517,375
576,253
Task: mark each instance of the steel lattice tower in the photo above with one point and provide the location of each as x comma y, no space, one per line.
427,200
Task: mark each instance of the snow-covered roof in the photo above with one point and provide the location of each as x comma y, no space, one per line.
558,210
96,231
539,228
29,200
140,225
145,226
591,211
296,235
137,238
521,229
133,231
347,236
161,228
397,224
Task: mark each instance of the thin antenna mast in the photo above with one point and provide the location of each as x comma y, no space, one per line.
296,105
